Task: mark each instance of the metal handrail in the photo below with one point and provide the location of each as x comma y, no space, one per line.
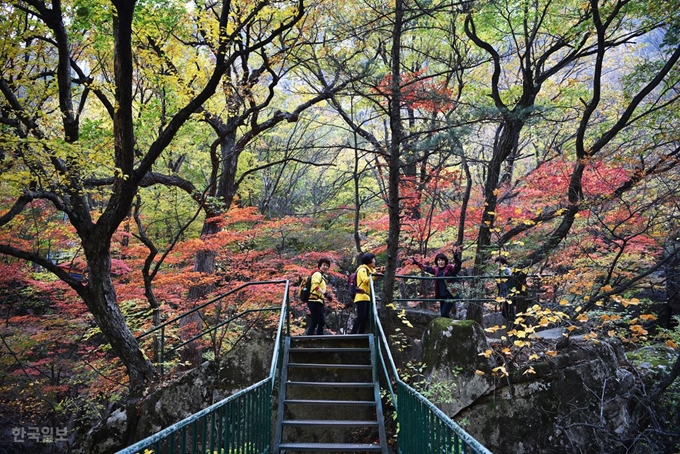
462,299
207,303
240,423
423,427
209,330
467,278
162,354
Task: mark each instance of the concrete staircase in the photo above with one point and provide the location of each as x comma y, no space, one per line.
329,397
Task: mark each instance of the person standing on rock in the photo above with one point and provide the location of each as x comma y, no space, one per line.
444,290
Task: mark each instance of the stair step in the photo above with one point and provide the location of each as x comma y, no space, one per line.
329,350
348,369
329,337
331,384
329,422
316,447
331,366
328,402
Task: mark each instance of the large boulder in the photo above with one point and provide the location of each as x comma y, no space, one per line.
245,364
185,394
578,401
164,406
451,355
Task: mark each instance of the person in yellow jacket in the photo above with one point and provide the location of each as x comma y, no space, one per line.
317,296
365,272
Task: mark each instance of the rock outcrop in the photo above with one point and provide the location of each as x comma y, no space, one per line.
578,401
188,393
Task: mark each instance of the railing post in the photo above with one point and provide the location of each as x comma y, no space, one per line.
287,311
161,354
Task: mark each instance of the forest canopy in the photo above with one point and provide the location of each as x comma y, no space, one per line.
156,154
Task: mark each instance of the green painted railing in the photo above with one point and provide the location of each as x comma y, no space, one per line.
423,428
159,332
239,424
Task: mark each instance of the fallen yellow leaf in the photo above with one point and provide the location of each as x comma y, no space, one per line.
501,369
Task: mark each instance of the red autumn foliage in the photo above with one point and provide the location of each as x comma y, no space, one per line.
419,92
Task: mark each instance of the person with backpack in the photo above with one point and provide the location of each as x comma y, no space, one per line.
444,290
318,293
362,288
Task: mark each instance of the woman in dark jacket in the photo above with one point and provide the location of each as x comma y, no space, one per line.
446,298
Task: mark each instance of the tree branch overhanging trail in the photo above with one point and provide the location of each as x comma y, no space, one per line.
575,192
511,130
133,167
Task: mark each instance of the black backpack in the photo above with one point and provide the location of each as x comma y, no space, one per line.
352,285
306,289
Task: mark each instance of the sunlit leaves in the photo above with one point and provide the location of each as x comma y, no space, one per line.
590,336
501,370
493,329
625,302
638,330
582,318
486,353
521,337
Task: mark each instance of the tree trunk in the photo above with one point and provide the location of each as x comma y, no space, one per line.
507,138
223,175
100,297
393,205
357,197
192,354
466,200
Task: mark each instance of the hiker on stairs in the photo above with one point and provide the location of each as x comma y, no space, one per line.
317,297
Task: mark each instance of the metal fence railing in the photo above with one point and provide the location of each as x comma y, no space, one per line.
239,424
164,331
242,423
418,290
423,428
